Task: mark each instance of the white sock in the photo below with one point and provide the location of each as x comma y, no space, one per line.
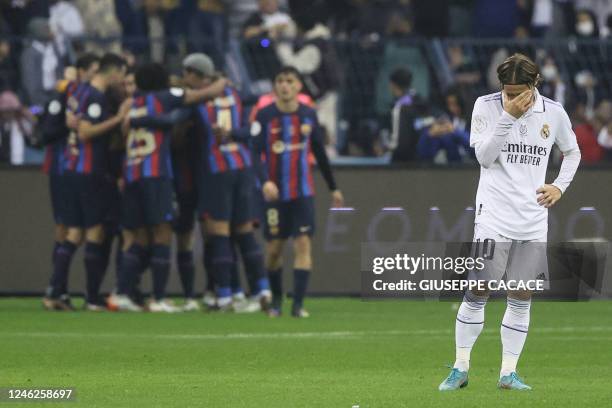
469,324
514,329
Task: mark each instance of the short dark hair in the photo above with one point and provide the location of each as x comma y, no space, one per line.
288,70
111,61
402,77
151,77
86,60
518,69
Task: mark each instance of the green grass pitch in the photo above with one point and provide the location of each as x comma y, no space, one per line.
350,352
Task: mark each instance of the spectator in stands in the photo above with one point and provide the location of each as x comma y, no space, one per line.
16,124
8,69
466,75
208,31
268,22
541,18
447,140
603,127
599,11
592,135
263,27
552,84
407,109
65,22
40,63
238,12
586,25
314,56
588,95
101,24
17,14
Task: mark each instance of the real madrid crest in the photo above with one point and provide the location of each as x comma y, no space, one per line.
523,129
545,131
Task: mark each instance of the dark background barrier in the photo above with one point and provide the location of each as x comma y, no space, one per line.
388,204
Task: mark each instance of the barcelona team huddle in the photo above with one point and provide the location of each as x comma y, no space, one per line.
135,160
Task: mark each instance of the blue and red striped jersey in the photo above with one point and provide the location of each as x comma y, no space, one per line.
148,147
224,111
90,156
285,139
54,130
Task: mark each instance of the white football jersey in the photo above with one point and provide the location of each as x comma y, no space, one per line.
506,200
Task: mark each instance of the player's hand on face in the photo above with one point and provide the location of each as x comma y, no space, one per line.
548,195
270,191
337,199
519,105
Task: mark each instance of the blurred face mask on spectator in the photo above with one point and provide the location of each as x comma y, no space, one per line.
549,72
584,25
584,79
287,87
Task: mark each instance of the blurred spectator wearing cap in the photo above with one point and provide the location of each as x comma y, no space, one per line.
16,124
314,56
41,65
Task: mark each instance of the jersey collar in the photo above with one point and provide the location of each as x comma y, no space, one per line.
538,105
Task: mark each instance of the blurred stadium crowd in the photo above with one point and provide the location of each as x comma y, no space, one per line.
393,80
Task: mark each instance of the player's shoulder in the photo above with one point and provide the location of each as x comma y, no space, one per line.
492,98
551,105
306,110
267,111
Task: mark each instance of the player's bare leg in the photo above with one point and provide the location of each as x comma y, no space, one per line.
274,265
95,266
302,266
514,328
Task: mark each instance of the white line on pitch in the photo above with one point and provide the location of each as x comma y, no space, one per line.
297,335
